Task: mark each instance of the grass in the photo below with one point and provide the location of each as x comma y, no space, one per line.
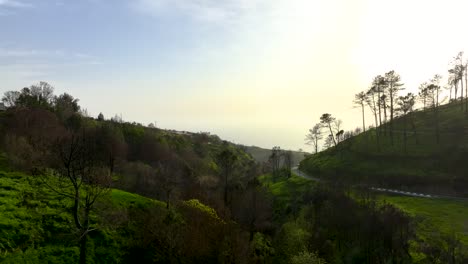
425,164
121,199
447,216
286,192
36,225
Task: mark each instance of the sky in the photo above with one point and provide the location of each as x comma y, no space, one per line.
255,72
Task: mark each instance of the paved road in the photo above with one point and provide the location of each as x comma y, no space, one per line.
296,171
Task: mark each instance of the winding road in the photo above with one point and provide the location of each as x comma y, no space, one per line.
302,174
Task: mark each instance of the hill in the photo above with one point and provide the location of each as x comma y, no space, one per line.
431,159
35,226
262,154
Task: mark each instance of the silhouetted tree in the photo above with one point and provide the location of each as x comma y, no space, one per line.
372,102
433,89
100,117
405,106
275,159
360,99
226,161
327,120
315,134
378,85
394,86
287,162
65,106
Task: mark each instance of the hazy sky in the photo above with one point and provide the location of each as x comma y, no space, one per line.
257,72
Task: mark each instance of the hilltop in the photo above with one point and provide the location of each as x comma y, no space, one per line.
432,160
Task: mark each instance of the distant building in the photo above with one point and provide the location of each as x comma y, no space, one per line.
2,107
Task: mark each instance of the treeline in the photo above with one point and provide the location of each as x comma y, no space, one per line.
331,127
81,158
385,101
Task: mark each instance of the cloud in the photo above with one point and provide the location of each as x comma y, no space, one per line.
14,4
201,10
37,62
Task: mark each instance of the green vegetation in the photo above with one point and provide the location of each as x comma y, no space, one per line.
287,192
450,217
36,226
426,165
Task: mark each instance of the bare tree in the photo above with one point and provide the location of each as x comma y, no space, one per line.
83,178
360,100
314,136
10,98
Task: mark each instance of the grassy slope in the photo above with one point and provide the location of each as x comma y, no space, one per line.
426,165
448,216
35,223
286,192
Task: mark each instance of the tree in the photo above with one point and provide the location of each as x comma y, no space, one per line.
170,175
84,179
424,94
314,136
275,159
457,73
405,106
392,80
328,142
226,161
10,98
65,106
371,102
287,162
100,117
339,136
433,90
360,100
327,120
37,95
378,85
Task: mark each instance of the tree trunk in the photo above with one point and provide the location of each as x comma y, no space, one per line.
461,83
331,133
76,209
84,235
83,244
378,104
363,119
466,88
404,133
391,116
413,126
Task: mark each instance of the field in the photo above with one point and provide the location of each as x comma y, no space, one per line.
448,216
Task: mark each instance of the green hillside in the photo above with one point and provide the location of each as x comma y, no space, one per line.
426,163
36,226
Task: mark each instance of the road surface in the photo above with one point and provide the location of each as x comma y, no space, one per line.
299,173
